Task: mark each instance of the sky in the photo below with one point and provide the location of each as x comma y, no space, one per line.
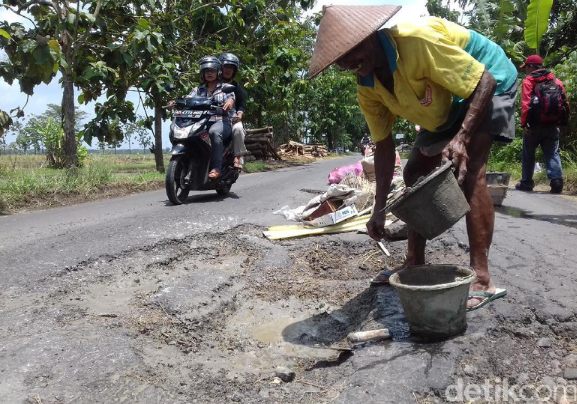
52,93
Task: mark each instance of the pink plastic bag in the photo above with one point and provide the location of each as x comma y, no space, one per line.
337,174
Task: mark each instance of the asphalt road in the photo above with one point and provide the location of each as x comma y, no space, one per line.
35,244
533,257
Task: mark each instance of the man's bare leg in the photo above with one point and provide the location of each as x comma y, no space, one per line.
481,217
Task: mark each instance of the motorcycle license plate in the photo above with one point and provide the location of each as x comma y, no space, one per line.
188,114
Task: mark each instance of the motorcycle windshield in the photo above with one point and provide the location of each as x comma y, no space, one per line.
200,103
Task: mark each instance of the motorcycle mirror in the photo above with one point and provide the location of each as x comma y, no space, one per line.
228,88
170,87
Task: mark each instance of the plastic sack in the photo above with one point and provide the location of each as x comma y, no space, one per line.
290,214
337,174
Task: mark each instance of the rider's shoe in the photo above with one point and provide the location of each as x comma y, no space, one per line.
237,163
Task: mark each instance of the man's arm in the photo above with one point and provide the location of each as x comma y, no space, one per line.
477,105
526,92
240,98
384,169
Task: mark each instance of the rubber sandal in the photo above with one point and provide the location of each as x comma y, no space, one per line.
486,297
382,278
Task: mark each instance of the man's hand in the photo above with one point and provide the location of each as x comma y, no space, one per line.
228,104
526,131
456,151
376,226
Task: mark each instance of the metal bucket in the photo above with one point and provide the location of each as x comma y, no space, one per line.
433,204
434,298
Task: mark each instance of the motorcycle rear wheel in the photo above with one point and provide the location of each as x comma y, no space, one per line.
174,174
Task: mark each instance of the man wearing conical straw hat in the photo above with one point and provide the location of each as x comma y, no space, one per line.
457,85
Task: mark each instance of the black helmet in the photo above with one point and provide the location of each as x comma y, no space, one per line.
229,59
209,62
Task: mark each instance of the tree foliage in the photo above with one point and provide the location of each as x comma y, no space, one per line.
107,50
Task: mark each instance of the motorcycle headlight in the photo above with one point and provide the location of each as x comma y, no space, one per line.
180,133
196,126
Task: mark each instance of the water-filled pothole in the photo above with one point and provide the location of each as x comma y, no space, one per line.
564,220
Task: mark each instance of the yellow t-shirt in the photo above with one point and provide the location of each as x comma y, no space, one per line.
429,66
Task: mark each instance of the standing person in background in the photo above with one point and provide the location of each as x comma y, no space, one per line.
230,65
544,108
459,86
365,141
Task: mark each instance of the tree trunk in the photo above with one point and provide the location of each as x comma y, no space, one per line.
330,141
70,143
158,157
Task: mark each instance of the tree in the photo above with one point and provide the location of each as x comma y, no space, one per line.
58,32
23,142
55,112
13,129
137,129
73,39
330,102
144,140
115,145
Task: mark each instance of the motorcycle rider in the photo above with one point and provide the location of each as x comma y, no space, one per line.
230,65
220,129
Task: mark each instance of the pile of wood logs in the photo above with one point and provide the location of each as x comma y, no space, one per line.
259,142
296,149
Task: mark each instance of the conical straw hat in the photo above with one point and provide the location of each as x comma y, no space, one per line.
344,27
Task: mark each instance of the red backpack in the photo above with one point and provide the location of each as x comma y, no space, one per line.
548,104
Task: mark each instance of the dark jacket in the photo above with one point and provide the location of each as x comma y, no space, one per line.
239,97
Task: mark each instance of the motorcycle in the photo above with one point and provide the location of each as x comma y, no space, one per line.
191,150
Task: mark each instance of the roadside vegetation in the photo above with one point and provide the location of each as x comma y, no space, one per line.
28,183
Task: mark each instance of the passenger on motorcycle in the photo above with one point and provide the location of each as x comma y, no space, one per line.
230,65
220,130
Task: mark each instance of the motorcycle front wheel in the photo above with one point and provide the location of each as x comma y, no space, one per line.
176,192
223,190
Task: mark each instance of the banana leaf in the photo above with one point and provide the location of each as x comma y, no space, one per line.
537,22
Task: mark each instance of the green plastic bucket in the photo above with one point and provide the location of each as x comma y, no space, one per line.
434,298
433,204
